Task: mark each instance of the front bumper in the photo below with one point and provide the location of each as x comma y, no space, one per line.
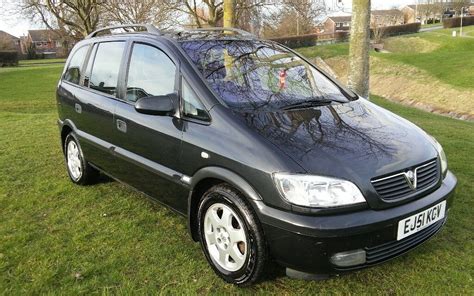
306,243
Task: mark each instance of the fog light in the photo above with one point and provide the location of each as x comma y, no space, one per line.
349,258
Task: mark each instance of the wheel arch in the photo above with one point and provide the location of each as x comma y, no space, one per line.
204,179
66,127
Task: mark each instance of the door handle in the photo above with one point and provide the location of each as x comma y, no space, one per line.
78,108
121,125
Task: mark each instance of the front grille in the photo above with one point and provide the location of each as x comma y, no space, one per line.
393,249
399,185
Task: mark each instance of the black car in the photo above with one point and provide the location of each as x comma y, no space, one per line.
267,156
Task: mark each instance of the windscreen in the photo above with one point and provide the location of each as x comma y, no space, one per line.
251,75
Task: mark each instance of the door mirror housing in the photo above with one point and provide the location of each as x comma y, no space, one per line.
158,105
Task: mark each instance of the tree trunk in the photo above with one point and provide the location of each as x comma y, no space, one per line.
358,79
229,13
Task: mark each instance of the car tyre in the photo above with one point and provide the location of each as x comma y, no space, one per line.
78,169
228,228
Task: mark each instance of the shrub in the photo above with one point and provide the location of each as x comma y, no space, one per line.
8,58
31,52
310,39
455,22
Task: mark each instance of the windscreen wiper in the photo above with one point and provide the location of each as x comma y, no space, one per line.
310,103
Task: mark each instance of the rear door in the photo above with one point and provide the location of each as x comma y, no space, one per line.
95,103
148,146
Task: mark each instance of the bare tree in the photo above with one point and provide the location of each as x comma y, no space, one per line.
459,4
77,18
426,10
358,78
161,13
306,12
203,12
211,12
293,17
378,33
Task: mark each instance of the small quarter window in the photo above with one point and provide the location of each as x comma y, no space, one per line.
192,107
151,73
74,69
88,70
105,71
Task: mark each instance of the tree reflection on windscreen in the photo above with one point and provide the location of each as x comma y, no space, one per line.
251,75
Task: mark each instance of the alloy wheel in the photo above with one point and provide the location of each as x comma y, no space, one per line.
225,237
73,160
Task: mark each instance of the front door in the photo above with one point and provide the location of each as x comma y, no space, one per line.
148,146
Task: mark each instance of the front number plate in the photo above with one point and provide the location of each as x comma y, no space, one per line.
417,222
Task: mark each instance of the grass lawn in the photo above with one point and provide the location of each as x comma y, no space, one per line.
56,237
40,61
452,62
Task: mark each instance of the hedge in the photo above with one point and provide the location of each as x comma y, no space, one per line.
313,39
8,58
455,22
399,29
310,39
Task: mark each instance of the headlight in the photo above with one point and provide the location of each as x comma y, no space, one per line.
317,191
442,157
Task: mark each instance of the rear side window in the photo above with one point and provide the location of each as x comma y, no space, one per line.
151,73
74,69
87,72
105,71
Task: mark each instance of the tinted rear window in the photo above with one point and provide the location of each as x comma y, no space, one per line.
105,71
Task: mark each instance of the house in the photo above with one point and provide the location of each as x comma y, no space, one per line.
431,12
383,18
337,24
424,12
49,43
9,42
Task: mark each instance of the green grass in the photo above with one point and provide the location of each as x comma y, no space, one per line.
58,238
325,51
452,62
41,61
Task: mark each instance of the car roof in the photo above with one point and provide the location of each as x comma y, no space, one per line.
145,30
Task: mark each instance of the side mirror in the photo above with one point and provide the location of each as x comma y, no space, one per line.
157,105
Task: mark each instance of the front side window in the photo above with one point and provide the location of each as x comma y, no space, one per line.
74,69
151,73
251,75
105,71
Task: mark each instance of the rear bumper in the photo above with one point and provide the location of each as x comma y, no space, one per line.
306,243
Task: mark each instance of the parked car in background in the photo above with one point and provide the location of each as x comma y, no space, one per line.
267,156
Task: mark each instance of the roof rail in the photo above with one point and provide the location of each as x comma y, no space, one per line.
149,28
235,30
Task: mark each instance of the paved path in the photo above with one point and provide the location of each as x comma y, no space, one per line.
431,28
